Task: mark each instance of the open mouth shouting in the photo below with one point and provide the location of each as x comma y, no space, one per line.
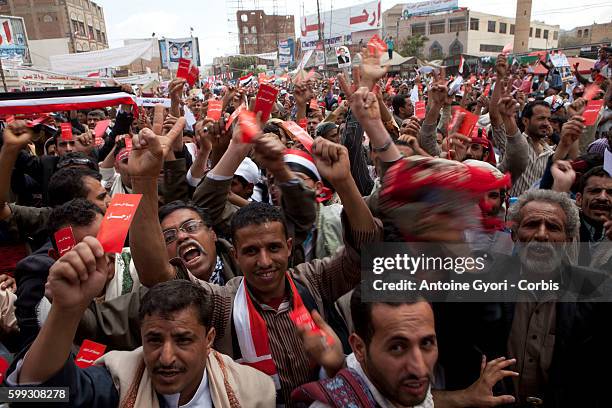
191,252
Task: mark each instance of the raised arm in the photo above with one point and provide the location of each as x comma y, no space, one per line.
16,136
74,280
515,158
146,240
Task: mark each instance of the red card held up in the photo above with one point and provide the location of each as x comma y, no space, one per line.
117,220
249,128
468,122
591,111
66,131
64,240
302,318
4,365
214,109
233,117
419,109
99,131
298,134
89,352
184,66
264,102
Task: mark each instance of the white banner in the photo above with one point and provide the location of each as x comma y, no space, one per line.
149,102
344,21
431,6
310,43
100,59
305,59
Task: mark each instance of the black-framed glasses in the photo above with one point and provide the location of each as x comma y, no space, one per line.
188,227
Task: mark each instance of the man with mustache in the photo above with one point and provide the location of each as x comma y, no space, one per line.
176,365
394,353
251,314
557,341
594,197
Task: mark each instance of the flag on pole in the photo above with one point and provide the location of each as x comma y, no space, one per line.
246,80
461,63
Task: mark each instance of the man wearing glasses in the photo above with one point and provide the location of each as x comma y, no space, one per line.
188,235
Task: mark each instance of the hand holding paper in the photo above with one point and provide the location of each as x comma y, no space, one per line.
320,340
298,134
117,220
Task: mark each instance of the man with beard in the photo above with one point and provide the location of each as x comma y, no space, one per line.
557,342
594,197
394,353
402,108
252,313
175,367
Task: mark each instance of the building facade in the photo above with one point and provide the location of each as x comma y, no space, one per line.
79,22
594,33
260,33
464,31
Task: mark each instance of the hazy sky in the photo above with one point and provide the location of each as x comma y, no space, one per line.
141,18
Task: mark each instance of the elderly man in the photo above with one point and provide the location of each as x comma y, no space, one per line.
558,345
176,365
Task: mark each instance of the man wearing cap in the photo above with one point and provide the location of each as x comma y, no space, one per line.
326,234
329,131
245,178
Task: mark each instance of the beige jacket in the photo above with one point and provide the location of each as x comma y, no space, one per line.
231,384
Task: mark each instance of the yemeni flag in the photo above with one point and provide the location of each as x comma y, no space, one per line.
63,100
246,80
461,64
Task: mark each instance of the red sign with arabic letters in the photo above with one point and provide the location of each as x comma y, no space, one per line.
592,111
214,109
117,220
187,70
89,352
233,117
302,318
298,134
66,131
64,240
264,102
249,127
419,109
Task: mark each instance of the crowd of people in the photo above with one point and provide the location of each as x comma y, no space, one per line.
235,236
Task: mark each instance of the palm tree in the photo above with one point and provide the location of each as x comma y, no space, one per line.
411,46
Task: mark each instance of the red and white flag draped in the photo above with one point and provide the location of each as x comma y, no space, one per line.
62,100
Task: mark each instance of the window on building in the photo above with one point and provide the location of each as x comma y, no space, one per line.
103,37
530,31
254,41
538,32
91,33
555,35
75,26
474,24
435,51
253,30
491,26
47,19
418,28
82,29
511,29
437,27
546,34
456,24
455,48
244,18
491,48
503,28
245,30
98,36
585,33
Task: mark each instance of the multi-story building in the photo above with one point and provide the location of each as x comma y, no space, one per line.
594,33
464,31
260,33
58,26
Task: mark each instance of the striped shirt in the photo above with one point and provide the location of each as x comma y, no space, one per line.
325,279
536,165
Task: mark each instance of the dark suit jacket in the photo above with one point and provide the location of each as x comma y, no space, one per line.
581,352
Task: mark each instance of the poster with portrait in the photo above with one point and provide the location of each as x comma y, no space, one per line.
172,50
344,57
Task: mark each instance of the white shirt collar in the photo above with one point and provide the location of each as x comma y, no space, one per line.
352,363
201,399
